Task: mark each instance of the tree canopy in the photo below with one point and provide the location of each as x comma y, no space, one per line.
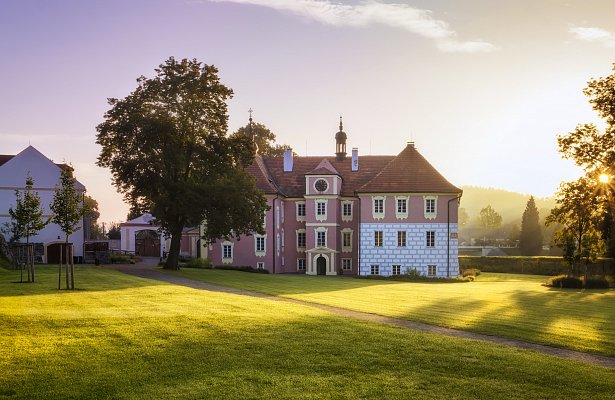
27,216
489,218
594,151
530,238
264,139
168,152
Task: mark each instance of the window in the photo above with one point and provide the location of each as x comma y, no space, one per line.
227,252
396,269
375,269
431,270
301,264
301,240
260,243
321,239
378,207
300,210
347,209
430,239
431,206
401,238
346,239
321,208
260,265
346,264
378,238
402,206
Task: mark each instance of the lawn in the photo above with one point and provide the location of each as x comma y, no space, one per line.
123,337
509,305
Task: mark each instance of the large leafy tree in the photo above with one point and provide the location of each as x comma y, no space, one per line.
489,218
530,239
168,152
91,215
579,208
27,219
594,150
68,209
264,138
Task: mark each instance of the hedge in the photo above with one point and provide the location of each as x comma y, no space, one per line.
531,265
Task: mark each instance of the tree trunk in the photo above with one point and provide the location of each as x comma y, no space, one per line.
173,256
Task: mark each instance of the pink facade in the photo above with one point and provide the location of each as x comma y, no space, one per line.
321,209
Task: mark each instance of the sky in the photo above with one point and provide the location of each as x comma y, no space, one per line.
482,87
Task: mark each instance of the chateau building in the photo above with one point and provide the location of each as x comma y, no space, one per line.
357,215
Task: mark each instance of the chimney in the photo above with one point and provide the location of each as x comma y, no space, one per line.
355,159
410,144
288,160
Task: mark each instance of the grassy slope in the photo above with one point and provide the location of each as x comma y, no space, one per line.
514,306
129,338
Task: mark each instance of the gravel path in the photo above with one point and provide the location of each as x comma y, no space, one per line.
146,269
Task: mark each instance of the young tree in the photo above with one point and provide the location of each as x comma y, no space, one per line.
67,208
168,152
578,209
530,239
264,138
27,220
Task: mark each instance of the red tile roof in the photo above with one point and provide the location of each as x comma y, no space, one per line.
4,158
409,172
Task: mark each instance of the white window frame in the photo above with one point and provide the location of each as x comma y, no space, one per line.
432,270
404,235
323,203
378,234
396,269
428,212
374,269
227,260
260,265
349,232
376,212
403,214
322,231
299,262
300,205
300,248
347,264
257,252
430,239
347,204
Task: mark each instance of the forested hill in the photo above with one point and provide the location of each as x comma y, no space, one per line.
510,205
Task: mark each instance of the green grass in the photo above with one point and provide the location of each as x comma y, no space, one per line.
122,337
508,305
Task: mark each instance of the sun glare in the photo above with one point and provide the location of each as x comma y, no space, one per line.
604,178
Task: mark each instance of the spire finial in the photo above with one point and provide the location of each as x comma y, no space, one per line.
341,126
251,133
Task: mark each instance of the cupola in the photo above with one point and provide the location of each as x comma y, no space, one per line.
340,143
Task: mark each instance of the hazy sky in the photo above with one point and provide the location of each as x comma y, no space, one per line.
482,87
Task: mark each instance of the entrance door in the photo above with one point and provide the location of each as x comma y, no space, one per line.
321,266
147,243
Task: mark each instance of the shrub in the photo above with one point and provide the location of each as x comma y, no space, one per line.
202,263
473,272
596,282
241,268
565,282
122,258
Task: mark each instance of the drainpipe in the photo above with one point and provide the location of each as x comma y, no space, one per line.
448,235
358,216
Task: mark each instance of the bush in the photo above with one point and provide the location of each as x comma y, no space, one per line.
202,263
473,272
596,282
122,258
241,268
564,282
540,265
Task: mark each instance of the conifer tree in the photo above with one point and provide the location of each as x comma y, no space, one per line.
530,240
